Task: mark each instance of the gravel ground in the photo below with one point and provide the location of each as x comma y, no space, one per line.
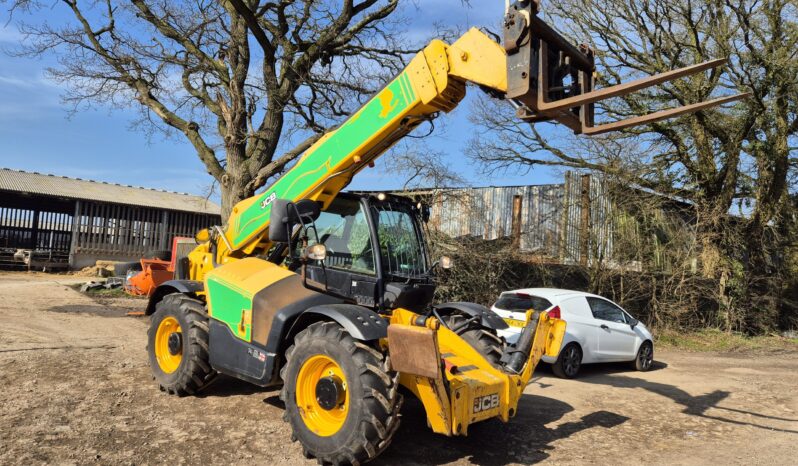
75,388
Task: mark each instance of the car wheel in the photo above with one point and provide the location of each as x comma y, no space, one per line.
568,362
645,357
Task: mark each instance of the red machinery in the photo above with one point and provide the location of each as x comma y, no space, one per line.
154,272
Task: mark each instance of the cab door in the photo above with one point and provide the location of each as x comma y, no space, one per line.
616,338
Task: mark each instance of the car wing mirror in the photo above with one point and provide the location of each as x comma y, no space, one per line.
633,323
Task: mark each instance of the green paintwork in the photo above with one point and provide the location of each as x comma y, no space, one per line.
318,162
227,302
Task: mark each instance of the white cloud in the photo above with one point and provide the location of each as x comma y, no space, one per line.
17,82
9,34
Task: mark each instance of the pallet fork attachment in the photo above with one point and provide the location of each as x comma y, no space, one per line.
548,78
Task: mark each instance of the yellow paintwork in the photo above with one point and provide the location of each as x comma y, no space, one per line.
167,361
514,322
318,420
246,277
437,75
475,378
478,59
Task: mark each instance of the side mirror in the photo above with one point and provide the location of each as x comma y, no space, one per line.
279,230
634,323
202,236
285,214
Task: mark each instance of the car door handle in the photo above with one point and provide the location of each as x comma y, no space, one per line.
604,327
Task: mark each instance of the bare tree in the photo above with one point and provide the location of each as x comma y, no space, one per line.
249,108
711,158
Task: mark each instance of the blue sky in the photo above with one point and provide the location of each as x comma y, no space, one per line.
37,133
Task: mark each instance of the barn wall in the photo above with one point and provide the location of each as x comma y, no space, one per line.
568,222
117,232
82,232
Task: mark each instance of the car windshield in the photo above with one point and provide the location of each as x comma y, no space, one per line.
520,302
401,245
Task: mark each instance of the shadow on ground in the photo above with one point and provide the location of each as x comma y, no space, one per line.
525,439
92,309
694,405
225,386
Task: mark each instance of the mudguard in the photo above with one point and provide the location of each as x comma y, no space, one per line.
362,323
487,317
172,286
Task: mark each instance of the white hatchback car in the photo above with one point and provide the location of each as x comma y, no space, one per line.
598,330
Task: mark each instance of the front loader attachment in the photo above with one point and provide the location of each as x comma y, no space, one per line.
454,382
548,78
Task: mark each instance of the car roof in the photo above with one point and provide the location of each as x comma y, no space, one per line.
552,294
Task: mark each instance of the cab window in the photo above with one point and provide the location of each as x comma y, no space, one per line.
344,230
605,310
400,241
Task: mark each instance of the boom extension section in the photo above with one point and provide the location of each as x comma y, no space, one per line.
549,78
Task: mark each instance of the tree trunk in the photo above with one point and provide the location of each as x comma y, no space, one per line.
234,183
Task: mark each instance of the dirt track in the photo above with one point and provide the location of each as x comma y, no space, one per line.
75,388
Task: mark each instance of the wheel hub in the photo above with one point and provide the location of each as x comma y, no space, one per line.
168,344
330,393
175,343
322,395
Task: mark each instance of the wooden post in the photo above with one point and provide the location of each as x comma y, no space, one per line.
516,225
34,235
164,224
75,234
584,224
566,206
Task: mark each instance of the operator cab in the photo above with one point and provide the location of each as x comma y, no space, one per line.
376,255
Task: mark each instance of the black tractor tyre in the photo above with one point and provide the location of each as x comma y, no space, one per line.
374,402
645,357
489,345
160,254
194,372
568,362
121,269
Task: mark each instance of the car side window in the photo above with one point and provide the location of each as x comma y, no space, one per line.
605,310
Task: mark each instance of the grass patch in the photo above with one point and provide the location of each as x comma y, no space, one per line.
716,340
106,293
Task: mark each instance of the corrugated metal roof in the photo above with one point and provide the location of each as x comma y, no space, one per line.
76,188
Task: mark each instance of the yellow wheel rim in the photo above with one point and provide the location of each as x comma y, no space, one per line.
166,360
322,422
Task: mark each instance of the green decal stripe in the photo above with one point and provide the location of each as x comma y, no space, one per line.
374,117
227,302
409,94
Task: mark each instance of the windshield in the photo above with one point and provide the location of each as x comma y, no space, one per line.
401,245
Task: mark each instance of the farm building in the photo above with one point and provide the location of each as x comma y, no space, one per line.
578,221
74,222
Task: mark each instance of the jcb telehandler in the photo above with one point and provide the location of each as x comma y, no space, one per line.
330,294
